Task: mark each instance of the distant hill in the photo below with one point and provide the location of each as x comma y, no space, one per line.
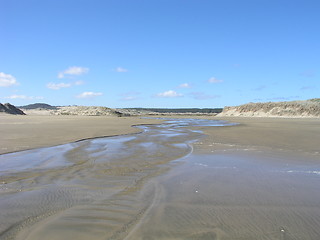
307,108
38,106
10,109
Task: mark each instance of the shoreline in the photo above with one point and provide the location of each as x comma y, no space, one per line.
20,133
81,140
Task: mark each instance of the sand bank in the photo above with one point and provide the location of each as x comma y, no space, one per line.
28,132
291,135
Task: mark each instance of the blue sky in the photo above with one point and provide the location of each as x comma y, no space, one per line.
159,53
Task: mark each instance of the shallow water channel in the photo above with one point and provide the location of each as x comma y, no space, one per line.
90,188
152,186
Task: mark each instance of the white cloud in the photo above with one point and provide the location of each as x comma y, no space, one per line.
121,70
7,80
57,86
184,85
89,94
214,80
73,71
169,94
23,97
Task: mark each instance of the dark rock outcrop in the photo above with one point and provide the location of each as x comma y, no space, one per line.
10,109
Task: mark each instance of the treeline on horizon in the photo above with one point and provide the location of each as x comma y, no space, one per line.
179,110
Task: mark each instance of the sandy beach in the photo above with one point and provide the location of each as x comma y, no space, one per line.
185,179
27,132
159,120
289,134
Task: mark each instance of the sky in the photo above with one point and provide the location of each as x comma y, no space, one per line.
159,53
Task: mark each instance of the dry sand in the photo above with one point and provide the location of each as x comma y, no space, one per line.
28,132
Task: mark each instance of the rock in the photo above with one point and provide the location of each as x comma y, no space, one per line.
10,109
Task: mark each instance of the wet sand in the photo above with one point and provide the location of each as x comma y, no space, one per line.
88,189
292,135
235,197
256,180
27,132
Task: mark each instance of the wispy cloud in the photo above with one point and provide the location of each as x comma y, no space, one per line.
7,80
184,85
89,95
58,86
73,71
24,97
169,94
121,70
202,95
214,80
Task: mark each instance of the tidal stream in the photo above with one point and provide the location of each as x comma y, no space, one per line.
89,189
152,186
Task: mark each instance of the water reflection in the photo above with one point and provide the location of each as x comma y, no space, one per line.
98,180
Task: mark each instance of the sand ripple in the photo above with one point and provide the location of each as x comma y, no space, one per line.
90,189
131,187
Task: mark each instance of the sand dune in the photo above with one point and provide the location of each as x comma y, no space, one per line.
296,109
